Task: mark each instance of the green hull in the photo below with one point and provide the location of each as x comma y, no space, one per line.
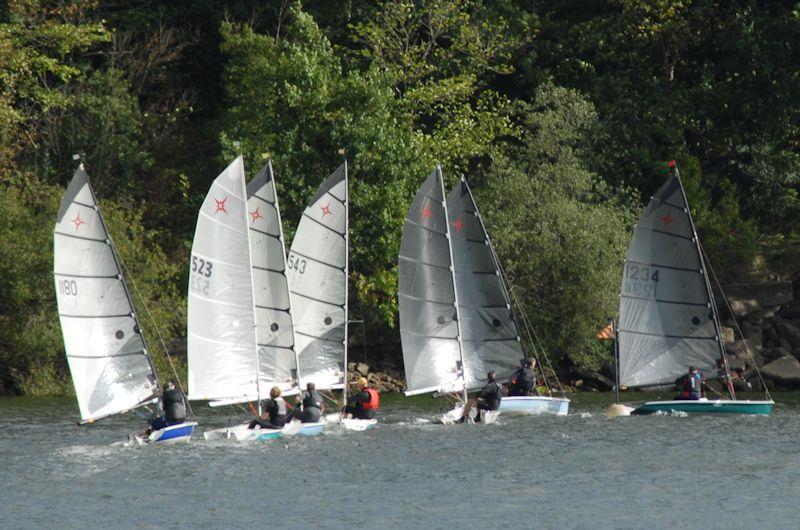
707,407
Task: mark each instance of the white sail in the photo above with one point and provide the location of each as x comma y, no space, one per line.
111,369
429,327
317,274
490,337
667,315
274,333
221,338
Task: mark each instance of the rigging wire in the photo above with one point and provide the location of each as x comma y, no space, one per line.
735,322
158,332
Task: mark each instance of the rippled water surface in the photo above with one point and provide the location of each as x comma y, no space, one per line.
581,471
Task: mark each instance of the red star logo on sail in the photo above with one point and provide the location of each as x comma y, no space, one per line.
256,215
326,210
220,205
667,219
458,224
426,212
78,221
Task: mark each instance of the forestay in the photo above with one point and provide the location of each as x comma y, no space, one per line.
667,315
221,326
490,337
111,369
274,333
317,274
429,328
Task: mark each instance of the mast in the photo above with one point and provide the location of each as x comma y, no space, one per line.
124,285
252,291
704,272
616,358
346,274
455,288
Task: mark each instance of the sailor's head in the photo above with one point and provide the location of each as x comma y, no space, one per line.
275,392
490,376
527,362
692,369
362,382
170,385
310,387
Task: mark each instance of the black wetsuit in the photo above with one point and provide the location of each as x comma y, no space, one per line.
523,382
174,410
489,397
312,408
355,406
276,408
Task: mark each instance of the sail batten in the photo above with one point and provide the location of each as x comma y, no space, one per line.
668,319
111,370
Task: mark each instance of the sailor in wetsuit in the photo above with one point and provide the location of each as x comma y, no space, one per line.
174,407
364,403
690,385
488,398
312,405
274,416
523,381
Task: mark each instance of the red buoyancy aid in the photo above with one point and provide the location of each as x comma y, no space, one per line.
374,400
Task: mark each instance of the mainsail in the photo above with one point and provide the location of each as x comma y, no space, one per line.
111,369
223,360
317,275
274,333
429,320
490,337
668,318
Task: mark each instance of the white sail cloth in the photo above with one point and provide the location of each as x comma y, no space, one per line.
667,316
273,318
110,367
490,338
221,338
317,275
429,328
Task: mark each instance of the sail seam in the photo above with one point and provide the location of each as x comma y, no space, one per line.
216,260
318,337
696,304
267,269
90,206
111,277
233,193
657,231
95,316
220,302
271,308
670,267
328,192
331,265
82,237
264,232
210,218
431,230
430,336
140,352
690,337
340,234
317,299
410,297
445,267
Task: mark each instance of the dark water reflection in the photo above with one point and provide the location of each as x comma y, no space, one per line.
582,471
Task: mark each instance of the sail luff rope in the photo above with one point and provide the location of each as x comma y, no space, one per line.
735,322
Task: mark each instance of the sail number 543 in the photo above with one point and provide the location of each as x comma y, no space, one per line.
297,264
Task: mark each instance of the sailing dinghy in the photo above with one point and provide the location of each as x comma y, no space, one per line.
668,320
318,271
111,368
435,357
240,339
490,334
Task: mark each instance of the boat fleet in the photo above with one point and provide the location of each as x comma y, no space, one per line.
259,317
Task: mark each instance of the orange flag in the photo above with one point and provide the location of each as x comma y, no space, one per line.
607,333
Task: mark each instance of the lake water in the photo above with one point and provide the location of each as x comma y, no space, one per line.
580,471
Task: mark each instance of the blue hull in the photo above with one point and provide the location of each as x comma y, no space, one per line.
704,406
174,433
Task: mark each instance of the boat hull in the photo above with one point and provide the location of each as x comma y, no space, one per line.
181,432
705,406
534,405
241,433
335,421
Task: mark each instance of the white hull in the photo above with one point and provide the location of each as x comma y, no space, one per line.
241,433
335,421
534,405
